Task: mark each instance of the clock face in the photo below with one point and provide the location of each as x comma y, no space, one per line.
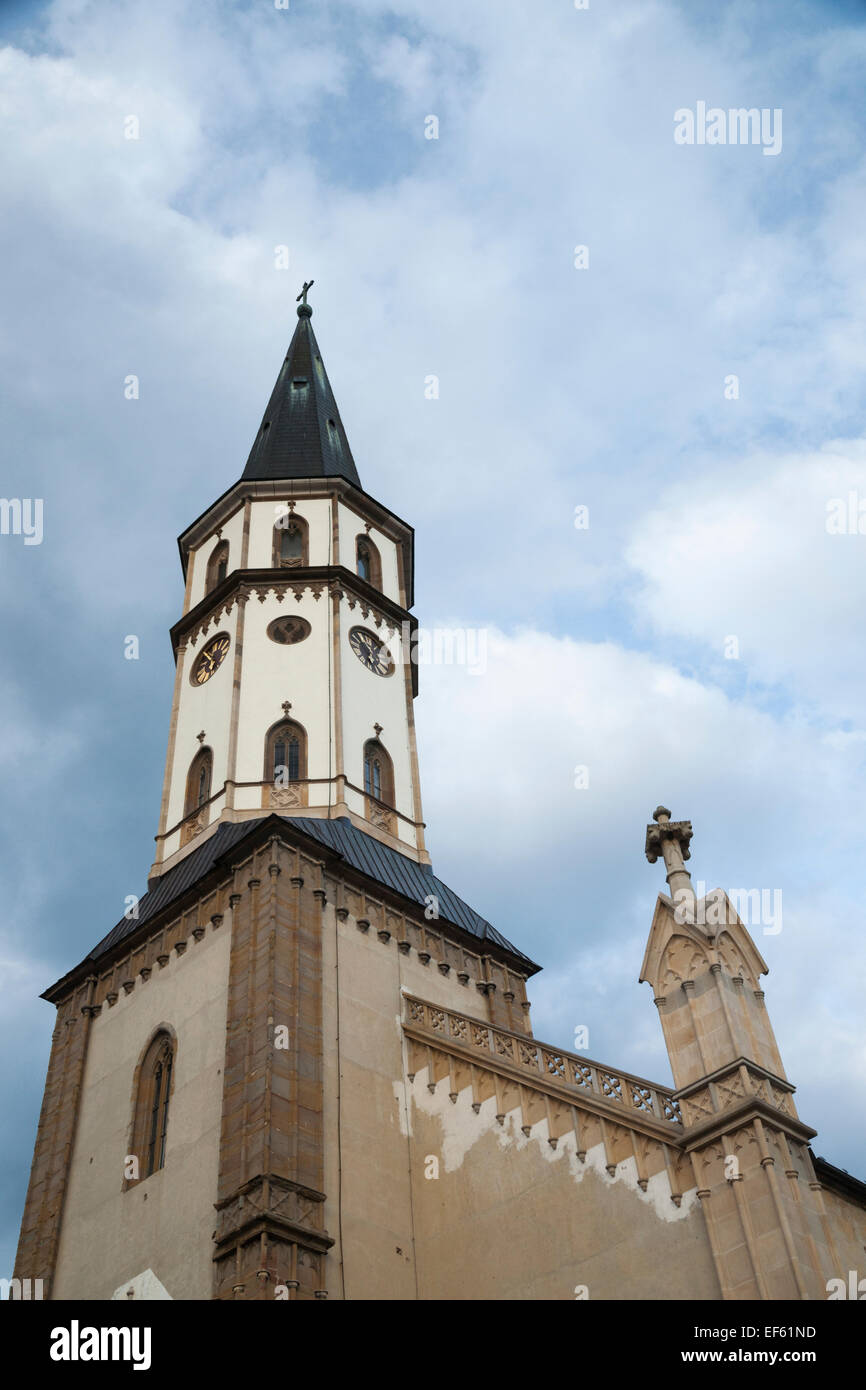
371,650
211,658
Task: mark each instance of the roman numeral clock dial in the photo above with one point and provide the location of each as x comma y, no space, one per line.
371,652
210,660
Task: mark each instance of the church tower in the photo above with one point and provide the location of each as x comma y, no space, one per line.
294,689
211,1049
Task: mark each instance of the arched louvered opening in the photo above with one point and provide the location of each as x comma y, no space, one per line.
368,561
291,542
198,790
217,566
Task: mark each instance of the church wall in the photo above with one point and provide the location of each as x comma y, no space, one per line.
316,512
205,707
273,673
371,1160
368,699
165,1222
351,526
847,1231
508,1217
232,531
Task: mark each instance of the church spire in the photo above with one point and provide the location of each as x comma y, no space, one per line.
301,434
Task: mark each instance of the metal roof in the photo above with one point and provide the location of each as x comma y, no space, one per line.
301,434
362,852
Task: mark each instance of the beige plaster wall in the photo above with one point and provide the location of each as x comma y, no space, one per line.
508,1217
366,1155
164,1223
847,1229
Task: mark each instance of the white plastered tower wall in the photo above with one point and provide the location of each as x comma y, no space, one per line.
333,696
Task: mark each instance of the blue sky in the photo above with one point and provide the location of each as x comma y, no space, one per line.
558,387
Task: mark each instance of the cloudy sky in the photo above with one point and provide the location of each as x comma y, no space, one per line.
696,381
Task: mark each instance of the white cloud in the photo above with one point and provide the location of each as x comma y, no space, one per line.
746,553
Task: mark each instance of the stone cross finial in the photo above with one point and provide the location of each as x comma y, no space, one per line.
201,736
670,839
302,297
285,707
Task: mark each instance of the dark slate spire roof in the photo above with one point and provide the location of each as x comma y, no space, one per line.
301,434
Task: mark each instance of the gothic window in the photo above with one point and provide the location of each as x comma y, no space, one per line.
378,773
217,566
151,1107
369,565
291,541
285,754
198,781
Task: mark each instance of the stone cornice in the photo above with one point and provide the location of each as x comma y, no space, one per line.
271,1204
729,1089
719,1075
698,1135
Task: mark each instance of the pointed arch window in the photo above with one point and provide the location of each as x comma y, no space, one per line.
198,789
198,781
291,542
368,562
217,566
378,775
151,1107
286,764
